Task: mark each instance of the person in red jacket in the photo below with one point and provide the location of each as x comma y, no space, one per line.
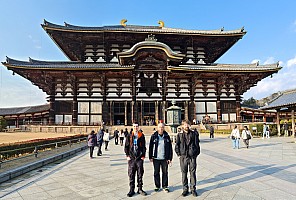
135,150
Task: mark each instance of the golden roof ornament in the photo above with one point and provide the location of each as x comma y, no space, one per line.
122,22
161,24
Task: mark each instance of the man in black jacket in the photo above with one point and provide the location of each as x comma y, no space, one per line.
135,150
187,148
161,154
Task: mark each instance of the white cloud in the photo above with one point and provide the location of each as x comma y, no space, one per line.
291,62
256,61
269,60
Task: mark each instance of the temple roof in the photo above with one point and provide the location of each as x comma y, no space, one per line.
73,65
138,28
79,43
285,99
58,65
23,110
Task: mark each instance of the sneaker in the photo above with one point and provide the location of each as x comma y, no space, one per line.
156,189
167,190
131,193
185,193
142,192
193,192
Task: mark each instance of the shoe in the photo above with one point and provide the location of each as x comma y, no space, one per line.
156,189
130,194
193,192
166,189
185,193
142,192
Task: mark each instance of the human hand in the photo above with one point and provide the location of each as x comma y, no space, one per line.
151,160
143,158
128,158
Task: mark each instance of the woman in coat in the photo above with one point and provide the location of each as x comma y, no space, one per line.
235,137
246,135
91,142
106,138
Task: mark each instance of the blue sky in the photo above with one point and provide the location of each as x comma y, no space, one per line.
271,37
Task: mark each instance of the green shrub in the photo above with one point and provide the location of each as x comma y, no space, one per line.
3,124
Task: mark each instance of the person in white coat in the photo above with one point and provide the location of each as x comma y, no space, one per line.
246,135
106,138
235,137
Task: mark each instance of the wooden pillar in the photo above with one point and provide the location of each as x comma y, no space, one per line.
238,108
293,122
111,119
17,121
186,110
219,113
125,113
156,113
75,103
134,99
253,116
163,94
278,122
51,119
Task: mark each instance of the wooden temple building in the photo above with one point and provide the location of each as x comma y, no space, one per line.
124,73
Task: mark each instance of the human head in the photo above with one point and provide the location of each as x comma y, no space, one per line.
92,132
136,126
235,126
245,127
186,125
160,128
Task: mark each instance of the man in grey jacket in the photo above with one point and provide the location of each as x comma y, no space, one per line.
187,148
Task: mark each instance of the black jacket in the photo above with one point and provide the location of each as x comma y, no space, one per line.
189,149
140,149
153,145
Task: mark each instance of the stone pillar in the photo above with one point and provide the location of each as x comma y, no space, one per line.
278,122
293,122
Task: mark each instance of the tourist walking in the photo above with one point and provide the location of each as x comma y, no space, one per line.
286,129
187,148
106,138
135,150
265,131
121,137
116,136
100,136
161,155
235,137
91,143
211,132
246,135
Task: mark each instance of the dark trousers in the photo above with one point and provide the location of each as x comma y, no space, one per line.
116,140
91,151
99,148
135,166
186,162
246,142
164,169
106,144
211,135
121,140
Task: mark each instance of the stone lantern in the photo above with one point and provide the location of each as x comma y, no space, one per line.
174,116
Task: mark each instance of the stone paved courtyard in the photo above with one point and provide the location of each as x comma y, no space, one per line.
267,170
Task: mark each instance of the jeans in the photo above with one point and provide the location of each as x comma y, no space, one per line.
235,143
135,166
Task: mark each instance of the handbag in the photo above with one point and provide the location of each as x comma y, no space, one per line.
248,136
232,137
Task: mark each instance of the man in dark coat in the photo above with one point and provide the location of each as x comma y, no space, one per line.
100,136
187,148
135,150
161,154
